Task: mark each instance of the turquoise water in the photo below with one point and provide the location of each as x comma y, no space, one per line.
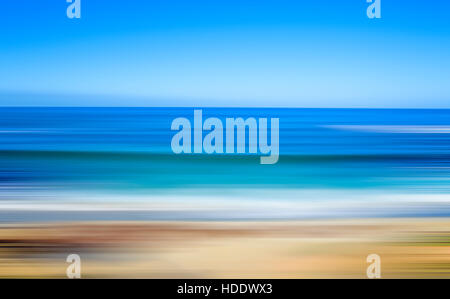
127,151
130,148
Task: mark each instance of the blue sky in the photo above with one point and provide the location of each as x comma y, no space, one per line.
225,53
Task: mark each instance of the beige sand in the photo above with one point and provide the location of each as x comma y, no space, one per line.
409,248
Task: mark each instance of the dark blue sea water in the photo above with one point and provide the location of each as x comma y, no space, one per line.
130,148
333,163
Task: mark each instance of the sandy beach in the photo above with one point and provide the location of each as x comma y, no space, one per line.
414,248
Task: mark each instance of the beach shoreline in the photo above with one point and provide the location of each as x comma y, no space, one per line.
408,247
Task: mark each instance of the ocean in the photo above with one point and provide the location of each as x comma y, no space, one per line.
117,163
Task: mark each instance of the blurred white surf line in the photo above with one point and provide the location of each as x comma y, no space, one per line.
238,203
